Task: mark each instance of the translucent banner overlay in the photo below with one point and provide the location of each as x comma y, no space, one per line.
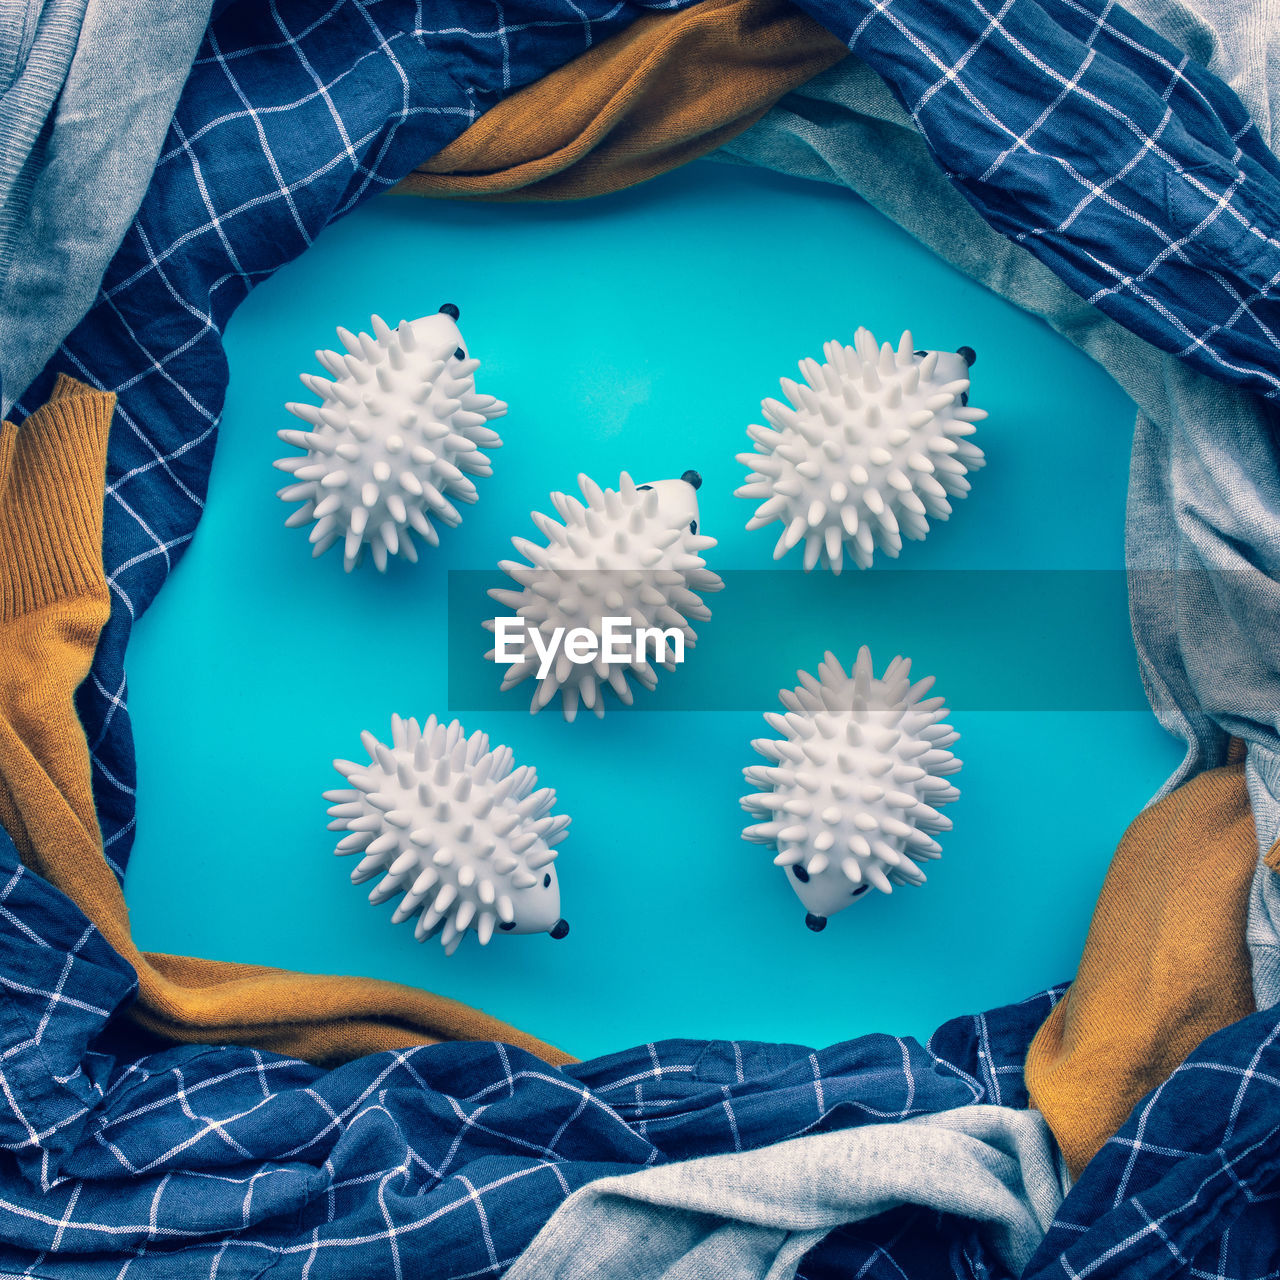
997,640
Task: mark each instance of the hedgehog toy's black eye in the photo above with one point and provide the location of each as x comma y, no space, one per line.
800,874
546,881
964,397
693,526
459,354
922,354
861,889
643,486
507,925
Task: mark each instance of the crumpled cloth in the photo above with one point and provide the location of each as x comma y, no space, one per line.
441,1160
672,87
1190,1184
87,90
1164,967
1121,164
1074,129
754,1216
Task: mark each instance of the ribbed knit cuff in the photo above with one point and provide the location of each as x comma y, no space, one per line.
52,479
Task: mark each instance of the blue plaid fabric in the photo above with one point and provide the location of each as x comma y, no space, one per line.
1191,1185
229,1163
1127,168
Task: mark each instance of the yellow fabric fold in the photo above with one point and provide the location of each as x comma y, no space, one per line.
670,88
1165,963
54,601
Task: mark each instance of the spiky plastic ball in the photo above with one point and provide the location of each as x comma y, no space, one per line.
851,793
633,553
871,447
395,442
465,837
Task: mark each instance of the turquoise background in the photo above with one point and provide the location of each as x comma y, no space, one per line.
641,331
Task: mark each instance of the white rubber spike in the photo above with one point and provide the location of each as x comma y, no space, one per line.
394,445
871,449
850,798
458,830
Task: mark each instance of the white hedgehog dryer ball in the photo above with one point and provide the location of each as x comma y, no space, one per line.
874,446
464,836
634,554
394,444
851,792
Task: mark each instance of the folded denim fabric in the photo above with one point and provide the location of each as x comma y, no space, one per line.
87,90
754,1215
672,87
441,1160
294,112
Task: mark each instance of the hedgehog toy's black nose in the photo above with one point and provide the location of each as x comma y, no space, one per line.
450,310
560,928
693,478
968,355
816,923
